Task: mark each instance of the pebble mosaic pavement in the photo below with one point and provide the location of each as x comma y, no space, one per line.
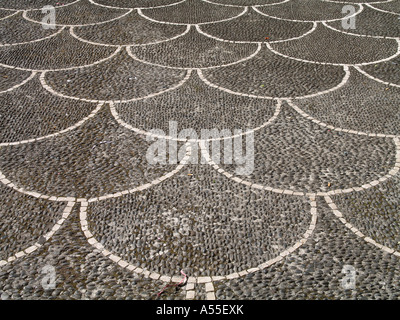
76,191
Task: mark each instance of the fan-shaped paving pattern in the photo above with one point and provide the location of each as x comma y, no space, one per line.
136,3
325,45
16,30
194,50
31,112
246,3
120,78
255,27
321,258
325,160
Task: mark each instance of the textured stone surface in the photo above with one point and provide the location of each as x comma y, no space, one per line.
85,214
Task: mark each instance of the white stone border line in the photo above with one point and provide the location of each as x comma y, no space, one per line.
56,6
381,10
65,69
47,236
357,232
257,186
341,84
245,9
150,184
200,280
276,41
195,68
9,184
127,45
24,15
293,20
33,73
75,126
33,41
333,128
241,6
155,7
340,64
61,95
116,116
11,15
348,2
359,35
376,79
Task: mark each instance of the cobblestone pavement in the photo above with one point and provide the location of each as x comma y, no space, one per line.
83,215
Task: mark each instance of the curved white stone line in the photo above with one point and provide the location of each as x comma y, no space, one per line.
191,24
240,6
77,25
166,278
222,40
339,64
61,95
64,69
342,83
33,41
11,15
75,126
7,9
357,232
381,10
194,68
225,5
233,41
376,79
314,27
359,35
270,4
323,124
347,2
20,84
361,8
155,7
147,133
216,167
127,45
11,185
47,236
57,7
